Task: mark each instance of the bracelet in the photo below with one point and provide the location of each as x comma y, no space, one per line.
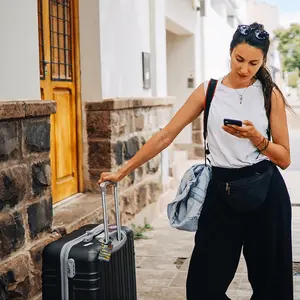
267,145
260,142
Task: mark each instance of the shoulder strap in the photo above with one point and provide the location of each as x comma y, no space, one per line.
210,92
209,96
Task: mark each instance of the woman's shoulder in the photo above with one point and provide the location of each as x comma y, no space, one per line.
205,83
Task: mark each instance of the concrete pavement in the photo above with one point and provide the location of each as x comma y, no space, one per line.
163,258
162,263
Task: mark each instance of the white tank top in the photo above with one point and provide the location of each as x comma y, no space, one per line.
228,151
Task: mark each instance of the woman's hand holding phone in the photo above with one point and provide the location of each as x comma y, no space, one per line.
244,129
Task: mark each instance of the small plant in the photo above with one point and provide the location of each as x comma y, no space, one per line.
138,231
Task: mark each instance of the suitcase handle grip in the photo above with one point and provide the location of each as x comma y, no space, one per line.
103,186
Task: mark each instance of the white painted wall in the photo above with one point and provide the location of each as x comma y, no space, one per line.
158,48
180,16
242,11
19,52
125,34
90,54
180,64
217,35
264,13
268,15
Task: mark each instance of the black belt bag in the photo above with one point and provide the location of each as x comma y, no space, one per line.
246,194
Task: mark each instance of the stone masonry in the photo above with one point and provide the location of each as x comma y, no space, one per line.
116,130
195,150
25,196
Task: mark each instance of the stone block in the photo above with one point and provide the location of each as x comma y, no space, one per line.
14,279
142,141
39,217
9,141
128,207
139,122
37,135
155,190
131,177
199,151
197,124
41,177
99,154
131,121
131,147
36,257
14,184
118,152
12,233
119,122
153,165
39,108
197,137
143,197
140,172
98,124
12,110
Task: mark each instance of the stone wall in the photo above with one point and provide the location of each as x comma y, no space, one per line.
197,138
25,195
195,150
116,130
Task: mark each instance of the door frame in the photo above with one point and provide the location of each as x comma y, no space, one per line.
78,100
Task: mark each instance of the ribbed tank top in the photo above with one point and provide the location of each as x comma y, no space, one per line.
226,150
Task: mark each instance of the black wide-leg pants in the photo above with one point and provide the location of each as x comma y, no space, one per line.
264,236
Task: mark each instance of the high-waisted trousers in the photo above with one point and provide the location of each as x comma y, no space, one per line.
264,236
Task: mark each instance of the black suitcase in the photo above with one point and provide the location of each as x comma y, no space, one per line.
82,265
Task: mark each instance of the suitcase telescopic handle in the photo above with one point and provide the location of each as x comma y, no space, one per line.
103,187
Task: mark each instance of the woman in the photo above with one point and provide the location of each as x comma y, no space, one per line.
238,153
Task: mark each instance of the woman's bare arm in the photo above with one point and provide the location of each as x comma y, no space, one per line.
185,115
278,151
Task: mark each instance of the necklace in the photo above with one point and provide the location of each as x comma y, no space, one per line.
240,95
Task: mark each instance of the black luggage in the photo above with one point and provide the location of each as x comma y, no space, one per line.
95,262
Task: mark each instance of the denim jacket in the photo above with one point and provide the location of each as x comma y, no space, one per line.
184,211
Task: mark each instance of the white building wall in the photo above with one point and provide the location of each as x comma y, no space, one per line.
19,51
90,54
183,54
217,35
125,34
264,13
180,16
242,11
180,64
158,48
268,15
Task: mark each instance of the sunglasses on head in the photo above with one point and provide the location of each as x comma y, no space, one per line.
260,34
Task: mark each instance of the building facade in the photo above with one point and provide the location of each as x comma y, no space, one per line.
268,15
83,85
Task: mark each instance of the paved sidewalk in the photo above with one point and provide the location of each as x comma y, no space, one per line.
162,263
162,259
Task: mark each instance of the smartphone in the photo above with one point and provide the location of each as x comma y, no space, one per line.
233,122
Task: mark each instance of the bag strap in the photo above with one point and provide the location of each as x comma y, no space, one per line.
210,92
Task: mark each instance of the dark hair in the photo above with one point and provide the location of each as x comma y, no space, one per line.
263,74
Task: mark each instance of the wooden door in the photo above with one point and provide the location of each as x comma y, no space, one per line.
58,82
